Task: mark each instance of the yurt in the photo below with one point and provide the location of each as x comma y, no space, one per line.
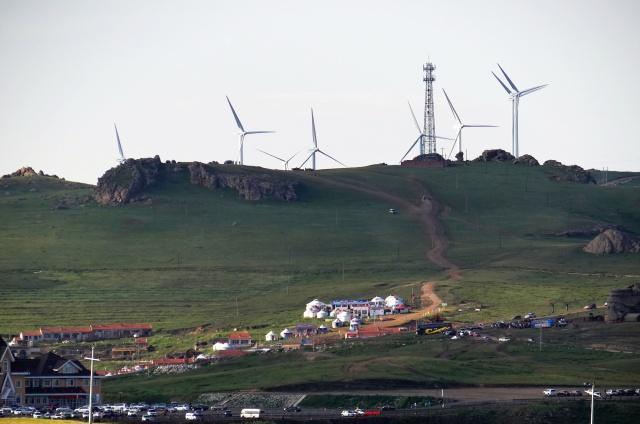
344,316
221,346
336,323
377,300
322,315
315,305
286,333
393,301
271,336
333,313
309,313
323,329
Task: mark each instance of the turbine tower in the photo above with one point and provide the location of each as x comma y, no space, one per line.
243,132
460,126
121,159
515,95
421,134
285,161
315,148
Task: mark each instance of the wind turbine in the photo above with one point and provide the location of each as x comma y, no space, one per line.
514,95
286,162
243,132
315,149
420,131
122,159
460,126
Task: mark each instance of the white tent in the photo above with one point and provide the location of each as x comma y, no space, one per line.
344,316
271,336
286,333
393,301
377,300
322,315
221,346
309,313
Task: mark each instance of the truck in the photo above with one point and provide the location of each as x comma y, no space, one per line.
250,413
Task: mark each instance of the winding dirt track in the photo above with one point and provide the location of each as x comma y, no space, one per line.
426,211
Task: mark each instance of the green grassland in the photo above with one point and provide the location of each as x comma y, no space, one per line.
194,258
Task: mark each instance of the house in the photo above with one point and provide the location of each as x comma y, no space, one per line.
7,388
51,380
124,352
120,330
240,339
85,333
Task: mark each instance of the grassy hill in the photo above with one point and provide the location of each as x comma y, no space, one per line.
193,257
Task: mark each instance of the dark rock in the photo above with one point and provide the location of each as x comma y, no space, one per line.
526,160
613,241
570,173
249,187
429,160
624,304
494,155
460,156
129,181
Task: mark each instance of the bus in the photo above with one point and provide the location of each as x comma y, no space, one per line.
250,413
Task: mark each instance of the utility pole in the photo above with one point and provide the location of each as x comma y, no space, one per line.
92,360
593,389
540,346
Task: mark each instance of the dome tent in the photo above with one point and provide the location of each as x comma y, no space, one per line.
286,333
271,336
322,315
308,313
377,300
221,346
393,301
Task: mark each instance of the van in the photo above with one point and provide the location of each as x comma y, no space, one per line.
250,413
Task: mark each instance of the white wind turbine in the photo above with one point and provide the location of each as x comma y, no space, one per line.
515,95
121,159
285,161
243,132
420,131
460,126
315,148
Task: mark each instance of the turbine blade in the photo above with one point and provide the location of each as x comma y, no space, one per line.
259,132
313,130
269,154
508,79
235,115
332,158
307,159
453,110
480,126
501,83
531,90
414,118
119,144
444,138
294,155
411,148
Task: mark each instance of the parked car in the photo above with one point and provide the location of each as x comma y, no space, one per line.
550,392
183,407
530,315
193,416
292,409
348,413
133,412
596,393
387,408
38,414
227,413
358,411
590,306
148,418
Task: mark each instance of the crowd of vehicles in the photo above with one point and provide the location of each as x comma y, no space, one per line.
597,394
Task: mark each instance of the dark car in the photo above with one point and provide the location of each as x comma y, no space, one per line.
227,413
292,409
387,408
200,407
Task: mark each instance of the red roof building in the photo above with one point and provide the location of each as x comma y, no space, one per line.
240,339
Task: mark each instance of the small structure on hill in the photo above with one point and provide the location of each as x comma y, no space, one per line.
271,336
495,155
624,304
429,160
286,334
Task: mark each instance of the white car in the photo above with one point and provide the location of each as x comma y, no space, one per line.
596,394
358,411
148,418
193,416
133,412
37,414
347,413
183,407
550,392
504,339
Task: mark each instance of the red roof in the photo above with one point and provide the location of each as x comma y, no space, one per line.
170,361
31,333
59,330
141,340
230,353
240,335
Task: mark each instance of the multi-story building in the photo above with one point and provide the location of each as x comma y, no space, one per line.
45,380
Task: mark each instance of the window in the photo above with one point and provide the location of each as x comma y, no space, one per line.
46,382
18,383
27,383
35,383
56,382
70,382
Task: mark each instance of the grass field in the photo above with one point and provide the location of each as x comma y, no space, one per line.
194,258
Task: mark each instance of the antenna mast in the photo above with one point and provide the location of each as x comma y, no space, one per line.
429,119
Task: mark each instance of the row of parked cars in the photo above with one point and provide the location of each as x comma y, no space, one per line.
608,393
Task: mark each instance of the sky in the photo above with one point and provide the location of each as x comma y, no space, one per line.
161,71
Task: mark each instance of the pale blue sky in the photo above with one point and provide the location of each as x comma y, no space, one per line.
161,69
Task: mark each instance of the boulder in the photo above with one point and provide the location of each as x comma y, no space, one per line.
429,160
623,303
128,181
613,241
570,173
527,160
25,171
494,155
587,231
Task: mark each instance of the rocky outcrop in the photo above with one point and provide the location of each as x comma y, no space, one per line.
430,160
624,304
494,155
27,171
130,181
248,186
526,160
613,241
570,173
